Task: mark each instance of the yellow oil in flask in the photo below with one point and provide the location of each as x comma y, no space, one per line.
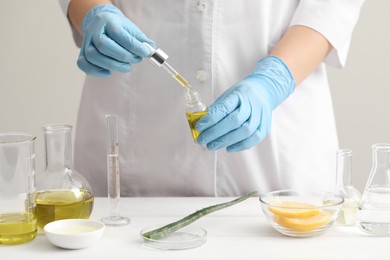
54,205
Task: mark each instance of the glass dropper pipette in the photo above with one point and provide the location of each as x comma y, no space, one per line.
195,108
158,58
113,174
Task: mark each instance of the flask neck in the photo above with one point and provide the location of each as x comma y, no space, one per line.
344,168
58,146
193,101
381,157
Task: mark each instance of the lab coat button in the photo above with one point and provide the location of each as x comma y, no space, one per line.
201,75
201,5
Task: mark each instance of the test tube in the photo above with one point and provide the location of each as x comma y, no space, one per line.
113,174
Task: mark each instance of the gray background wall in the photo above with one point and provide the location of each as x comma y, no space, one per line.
40,82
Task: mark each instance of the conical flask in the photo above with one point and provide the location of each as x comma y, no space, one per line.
351,195
374,211
62,193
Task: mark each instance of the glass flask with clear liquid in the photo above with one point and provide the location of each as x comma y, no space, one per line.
374,212
62,192
352,197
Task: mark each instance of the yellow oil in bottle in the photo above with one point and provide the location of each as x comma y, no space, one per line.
193,118
54,205
17,228
182,81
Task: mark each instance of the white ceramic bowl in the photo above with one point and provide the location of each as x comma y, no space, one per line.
74,233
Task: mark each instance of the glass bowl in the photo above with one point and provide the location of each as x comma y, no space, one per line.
301,213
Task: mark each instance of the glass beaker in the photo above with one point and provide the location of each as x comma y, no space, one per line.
62,192
18,224
351,195
374,212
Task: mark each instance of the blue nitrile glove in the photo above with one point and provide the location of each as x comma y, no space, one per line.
111,42
241,117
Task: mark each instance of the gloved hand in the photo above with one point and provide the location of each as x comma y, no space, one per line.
241,117
111,42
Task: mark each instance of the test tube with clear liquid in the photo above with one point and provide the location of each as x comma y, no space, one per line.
113,174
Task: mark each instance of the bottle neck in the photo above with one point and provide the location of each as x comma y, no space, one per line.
344,168
58,146
193,101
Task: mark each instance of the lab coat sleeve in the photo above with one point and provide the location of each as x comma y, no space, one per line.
334,19
76,35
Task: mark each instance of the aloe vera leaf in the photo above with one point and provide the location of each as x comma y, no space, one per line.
174,226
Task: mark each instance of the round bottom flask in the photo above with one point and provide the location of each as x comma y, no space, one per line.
347,215
62,193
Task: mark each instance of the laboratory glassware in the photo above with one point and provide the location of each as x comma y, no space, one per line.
18,224
62,192
113,174
374,212
351,195
195,108
159,59
195,111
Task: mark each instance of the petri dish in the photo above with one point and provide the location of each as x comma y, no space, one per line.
184,238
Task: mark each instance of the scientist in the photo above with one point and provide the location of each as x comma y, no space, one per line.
259,65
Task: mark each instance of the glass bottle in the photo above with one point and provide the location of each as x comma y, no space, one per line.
195,110
62,193
18,224
374,211
351,195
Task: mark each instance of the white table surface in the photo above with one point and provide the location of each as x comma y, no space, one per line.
238,232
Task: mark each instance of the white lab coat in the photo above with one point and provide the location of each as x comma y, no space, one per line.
213,44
